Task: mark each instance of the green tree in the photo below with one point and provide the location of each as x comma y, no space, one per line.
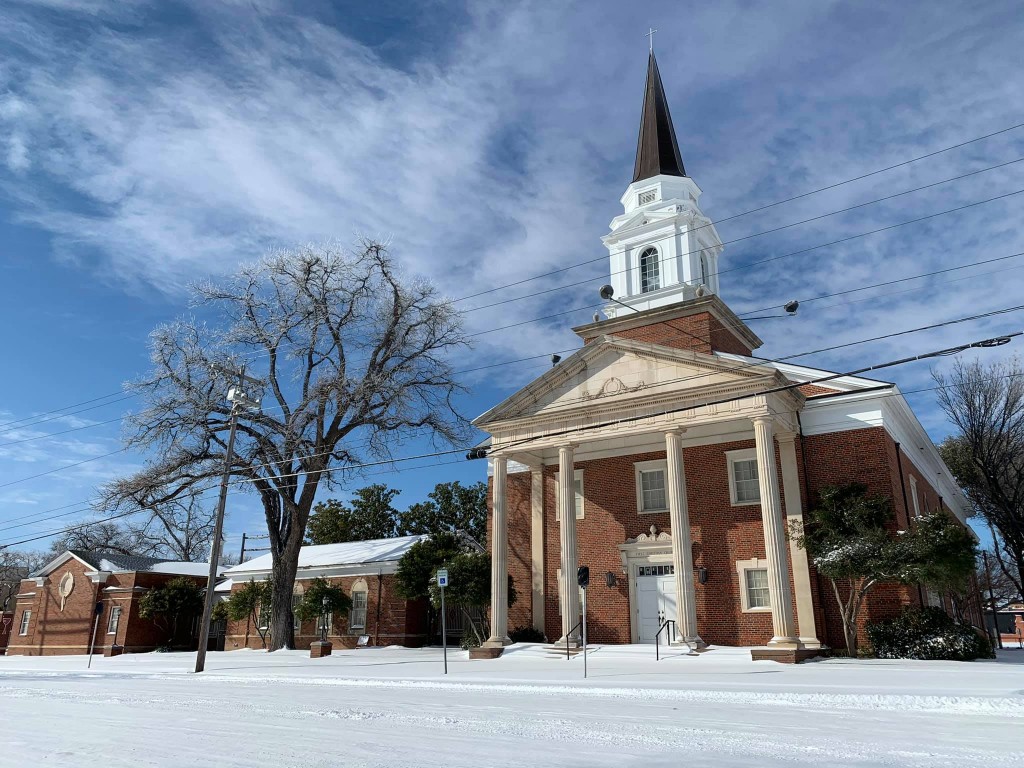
179,599
852,541
369,515
249,602
469,577
451,507
320,597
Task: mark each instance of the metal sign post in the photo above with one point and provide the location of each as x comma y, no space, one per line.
584,633
98,610
583,580
442,582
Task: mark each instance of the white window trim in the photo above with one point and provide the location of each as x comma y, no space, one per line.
640,265
26,621
915,498
581,502
366,604
742,566
731,457
653,191
649,466
115,610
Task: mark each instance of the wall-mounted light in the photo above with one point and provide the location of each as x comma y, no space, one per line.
610,580
702,575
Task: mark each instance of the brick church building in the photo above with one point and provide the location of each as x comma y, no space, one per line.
668,458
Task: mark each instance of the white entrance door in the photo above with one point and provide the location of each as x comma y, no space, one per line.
656,600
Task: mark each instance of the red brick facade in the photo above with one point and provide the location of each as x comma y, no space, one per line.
52,631
722,535
390,619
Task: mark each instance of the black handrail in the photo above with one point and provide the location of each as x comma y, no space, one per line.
568,635
657,642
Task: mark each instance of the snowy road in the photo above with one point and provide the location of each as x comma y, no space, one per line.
392,708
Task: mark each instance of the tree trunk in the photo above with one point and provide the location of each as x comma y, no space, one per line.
282,621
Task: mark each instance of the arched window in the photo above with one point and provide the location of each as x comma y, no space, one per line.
650,272
704,269
357,614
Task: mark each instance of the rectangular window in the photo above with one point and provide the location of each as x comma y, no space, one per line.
264,616
647,196
744,487
114,620
26,617
651,485
914,498
655,570
357,617
296,599
757,588
578,483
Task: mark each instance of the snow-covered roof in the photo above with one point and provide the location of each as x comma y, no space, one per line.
224,586
325,556
115,562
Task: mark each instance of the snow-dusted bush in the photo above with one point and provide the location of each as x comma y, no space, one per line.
526,635
927,633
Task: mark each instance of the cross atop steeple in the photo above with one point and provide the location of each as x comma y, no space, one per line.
651,35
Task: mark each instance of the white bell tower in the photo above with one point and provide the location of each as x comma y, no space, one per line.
663,249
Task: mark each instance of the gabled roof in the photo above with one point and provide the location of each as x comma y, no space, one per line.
350,553
115,562
527,399
657,152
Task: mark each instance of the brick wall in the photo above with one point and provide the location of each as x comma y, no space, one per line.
722,535
700,332
390,619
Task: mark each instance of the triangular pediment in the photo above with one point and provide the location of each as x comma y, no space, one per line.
611,370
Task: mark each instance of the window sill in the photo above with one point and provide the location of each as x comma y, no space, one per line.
652,511
766,609
745,503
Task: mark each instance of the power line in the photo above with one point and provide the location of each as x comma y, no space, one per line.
765,207
998,341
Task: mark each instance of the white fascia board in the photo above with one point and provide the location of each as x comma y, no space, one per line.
58,561
918,447
385,567
887,409
802,374
514,467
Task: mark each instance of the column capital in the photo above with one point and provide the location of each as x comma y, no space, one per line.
785,436
675,431
764,418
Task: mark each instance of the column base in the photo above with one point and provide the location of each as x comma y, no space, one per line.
484,652
811,643
783,655
694,643
787,643
572,642
497,642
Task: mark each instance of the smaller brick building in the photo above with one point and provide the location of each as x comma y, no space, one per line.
365,570
55,609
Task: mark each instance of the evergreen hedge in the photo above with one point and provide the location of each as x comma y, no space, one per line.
927,633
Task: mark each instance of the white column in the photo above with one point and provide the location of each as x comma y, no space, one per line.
682,544
797,554
774,535
537,545
570,560
499,558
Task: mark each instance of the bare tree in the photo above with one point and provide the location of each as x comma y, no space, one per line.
352,358
15,566
101,537
986,404
175,523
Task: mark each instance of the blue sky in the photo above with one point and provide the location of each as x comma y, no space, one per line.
145,145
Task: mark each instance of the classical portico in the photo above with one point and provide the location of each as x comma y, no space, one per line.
619,398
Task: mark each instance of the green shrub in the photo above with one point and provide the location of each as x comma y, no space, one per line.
469,640
927,633
526,635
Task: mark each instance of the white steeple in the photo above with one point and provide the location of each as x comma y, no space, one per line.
663,249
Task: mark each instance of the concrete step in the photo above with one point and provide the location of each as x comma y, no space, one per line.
553,650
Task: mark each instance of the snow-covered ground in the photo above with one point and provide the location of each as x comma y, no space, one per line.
394,707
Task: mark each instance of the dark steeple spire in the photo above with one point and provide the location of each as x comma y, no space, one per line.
656,150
